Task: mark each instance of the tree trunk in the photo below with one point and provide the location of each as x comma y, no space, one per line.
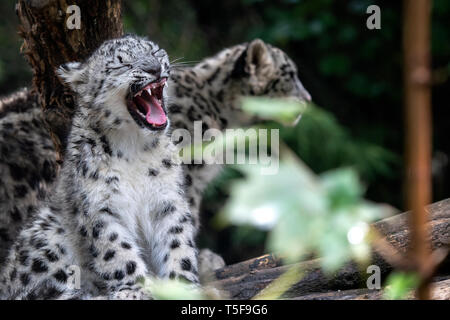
49,42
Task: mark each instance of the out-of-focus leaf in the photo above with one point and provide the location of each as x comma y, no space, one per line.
400,284
343,188
276,288
160,289
260,199
285,111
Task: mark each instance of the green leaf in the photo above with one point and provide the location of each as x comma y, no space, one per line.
400,284
284,111
171,290
343,188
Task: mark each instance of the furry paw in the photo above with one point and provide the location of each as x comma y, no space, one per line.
208,262
130,294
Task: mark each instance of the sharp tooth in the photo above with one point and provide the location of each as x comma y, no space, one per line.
149,91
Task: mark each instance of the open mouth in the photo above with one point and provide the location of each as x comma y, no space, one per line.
146,106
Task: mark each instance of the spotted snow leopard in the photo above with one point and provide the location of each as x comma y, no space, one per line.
209,91
118,210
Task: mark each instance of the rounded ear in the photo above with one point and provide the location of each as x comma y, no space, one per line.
71,73
259,61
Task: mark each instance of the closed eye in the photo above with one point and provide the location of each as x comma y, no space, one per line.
156,51
127,65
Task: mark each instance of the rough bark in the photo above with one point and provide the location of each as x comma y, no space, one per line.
440,290
245,279
48,43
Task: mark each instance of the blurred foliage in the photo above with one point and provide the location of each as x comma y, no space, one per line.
165,289
173,24
400,284
284,111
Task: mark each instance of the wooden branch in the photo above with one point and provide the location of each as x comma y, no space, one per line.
244,280
48,43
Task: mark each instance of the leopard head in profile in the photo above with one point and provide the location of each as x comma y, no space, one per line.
265,70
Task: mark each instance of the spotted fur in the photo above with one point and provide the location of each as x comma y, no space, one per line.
106,215
27,164
209,91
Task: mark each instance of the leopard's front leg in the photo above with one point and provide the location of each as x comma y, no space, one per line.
174,254
114,256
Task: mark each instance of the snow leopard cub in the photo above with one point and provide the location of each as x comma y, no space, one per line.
118,211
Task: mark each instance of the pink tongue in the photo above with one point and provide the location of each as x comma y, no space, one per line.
155,113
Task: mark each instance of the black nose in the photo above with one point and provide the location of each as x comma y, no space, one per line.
152,68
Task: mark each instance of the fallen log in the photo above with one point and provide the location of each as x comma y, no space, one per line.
245,279
267,261
440,290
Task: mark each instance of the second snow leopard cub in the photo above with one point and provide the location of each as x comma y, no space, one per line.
118,211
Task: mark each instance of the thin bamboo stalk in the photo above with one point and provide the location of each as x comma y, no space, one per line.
417,80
